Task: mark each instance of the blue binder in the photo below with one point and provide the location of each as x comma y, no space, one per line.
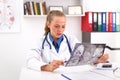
114,22
103,21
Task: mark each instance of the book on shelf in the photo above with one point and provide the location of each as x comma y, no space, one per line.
31,7
43,8
38,8
35,8
27,8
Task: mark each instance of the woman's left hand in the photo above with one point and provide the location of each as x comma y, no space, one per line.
103,58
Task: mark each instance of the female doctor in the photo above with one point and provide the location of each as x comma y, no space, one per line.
55,47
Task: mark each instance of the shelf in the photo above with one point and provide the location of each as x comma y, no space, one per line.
97,36
106,32
63,3
32,16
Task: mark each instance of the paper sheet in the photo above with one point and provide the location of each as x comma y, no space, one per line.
90,75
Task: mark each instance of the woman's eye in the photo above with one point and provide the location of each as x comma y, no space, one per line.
60,26
63,26
57,26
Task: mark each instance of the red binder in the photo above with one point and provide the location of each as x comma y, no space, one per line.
87,22
110,21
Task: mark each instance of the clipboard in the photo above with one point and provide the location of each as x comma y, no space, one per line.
85,53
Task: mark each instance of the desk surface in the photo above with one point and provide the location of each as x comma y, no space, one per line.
82,72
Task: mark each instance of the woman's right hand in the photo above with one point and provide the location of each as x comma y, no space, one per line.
52,66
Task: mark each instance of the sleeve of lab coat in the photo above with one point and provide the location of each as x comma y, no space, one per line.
33,58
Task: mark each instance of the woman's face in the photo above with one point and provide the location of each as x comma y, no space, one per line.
57,27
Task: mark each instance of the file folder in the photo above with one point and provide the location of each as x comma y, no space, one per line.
99,21
114,22
95,21
103,21
87,22
110,21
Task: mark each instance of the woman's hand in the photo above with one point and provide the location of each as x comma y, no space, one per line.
103,58
52,66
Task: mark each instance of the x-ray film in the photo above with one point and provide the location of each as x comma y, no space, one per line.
85,53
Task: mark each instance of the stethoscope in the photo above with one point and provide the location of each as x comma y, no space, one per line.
45,39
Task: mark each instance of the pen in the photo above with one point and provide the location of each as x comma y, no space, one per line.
65,77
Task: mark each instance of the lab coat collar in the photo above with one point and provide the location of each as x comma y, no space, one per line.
58,41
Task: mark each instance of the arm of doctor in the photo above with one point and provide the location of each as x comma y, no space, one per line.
52,66
56,63
103,58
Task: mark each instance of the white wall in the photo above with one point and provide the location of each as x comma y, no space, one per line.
13,46
101,5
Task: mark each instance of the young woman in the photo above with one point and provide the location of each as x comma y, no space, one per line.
55,47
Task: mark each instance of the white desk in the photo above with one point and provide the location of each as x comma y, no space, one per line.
81,71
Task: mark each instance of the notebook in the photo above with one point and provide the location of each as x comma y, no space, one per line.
85,53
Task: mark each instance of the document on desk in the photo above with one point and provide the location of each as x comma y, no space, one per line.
86,75
85,53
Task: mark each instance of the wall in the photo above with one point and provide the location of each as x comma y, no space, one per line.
14,46
101,5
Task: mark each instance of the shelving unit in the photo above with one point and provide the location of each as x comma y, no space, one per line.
101,37
63,3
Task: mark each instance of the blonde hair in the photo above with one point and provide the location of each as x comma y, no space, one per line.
50,17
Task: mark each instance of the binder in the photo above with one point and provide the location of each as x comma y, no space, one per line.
99,21
114,22
103,21
110,21
94,21
87,22
117,21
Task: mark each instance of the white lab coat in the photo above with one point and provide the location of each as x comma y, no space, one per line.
36,57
